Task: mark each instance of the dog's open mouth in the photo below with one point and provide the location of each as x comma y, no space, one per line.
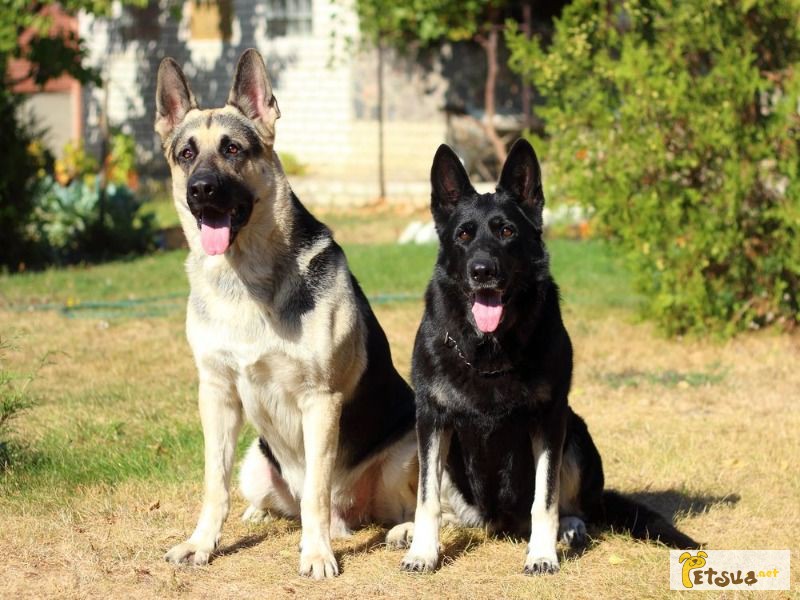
219,228
487,308
215,231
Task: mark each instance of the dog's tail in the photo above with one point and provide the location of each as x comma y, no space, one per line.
642,522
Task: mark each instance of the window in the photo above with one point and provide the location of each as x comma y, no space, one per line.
288,17
211,19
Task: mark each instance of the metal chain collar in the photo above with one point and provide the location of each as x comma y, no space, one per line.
451,343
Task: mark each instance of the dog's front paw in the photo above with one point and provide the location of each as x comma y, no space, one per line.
421,558
318,565
541,565
189,553
400,536
418,563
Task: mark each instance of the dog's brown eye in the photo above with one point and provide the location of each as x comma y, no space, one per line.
506,232
232,149
464,235
187,153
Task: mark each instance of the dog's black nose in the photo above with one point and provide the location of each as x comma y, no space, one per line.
482,270
203,187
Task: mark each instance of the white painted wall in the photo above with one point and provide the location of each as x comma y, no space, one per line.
52,112
321,89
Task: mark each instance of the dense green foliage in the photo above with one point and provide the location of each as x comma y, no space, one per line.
678,123
49,56
398,22
22,159
84,222
26,33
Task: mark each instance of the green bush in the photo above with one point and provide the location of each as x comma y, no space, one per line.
81,221
66,216
678,123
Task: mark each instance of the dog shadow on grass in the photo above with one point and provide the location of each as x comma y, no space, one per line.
243,543
674,504
455,543
372,543
276,526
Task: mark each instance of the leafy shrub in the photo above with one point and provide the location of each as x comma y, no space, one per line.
678,122
81,221
69,216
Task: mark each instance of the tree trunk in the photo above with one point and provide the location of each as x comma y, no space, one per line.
381,161
527,29
489,44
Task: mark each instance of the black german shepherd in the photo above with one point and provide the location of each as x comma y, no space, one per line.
498,444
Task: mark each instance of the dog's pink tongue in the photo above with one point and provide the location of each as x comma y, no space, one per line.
487,310
215,232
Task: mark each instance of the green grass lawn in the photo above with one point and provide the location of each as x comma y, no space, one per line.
588,273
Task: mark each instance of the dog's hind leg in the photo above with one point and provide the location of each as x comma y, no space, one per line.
396,495
571,524
572,531
396,487
401,535
263,487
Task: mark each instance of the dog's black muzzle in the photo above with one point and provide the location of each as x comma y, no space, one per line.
208,192
484,272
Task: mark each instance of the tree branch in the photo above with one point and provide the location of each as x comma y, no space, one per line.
490,93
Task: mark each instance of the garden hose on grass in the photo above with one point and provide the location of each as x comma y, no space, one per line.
154,306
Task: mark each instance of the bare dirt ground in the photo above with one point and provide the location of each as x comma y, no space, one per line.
707,432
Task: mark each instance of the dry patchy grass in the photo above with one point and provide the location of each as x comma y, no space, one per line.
706,432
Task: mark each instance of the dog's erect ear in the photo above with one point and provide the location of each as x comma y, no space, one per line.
522,177
684,556
252,92
174,98
449,182
702,553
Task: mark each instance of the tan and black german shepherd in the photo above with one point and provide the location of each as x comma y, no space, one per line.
281,334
